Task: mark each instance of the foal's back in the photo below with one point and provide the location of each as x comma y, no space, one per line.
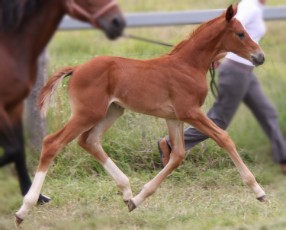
144,86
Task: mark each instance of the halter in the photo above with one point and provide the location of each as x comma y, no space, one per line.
75,9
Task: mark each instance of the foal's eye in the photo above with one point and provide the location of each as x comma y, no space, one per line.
240,35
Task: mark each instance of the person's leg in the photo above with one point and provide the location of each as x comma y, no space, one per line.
233,85
267,116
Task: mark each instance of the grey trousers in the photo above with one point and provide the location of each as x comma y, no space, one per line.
238,83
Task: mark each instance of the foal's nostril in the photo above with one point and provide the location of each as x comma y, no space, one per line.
261,58
258,59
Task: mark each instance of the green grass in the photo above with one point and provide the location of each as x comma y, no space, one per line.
202,199
206,192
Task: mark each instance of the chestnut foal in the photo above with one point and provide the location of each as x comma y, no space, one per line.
173,86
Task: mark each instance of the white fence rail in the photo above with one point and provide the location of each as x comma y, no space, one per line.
172,18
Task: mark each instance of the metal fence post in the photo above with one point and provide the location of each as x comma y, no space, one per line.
35,125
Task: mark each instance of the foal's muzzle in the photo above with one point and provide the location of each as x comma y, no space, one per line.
258,58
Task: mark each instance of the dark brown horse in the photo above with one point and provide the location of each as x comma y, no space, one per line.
173,87
26,26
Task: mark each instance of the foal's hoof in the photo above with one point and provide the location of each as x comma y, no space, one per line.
131,205
262,198
43,199
18,221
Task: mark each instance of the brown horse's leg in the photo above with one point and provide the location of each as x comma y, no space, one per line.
201,122
19,148
6,137
12,140
177,156
51,146
90,141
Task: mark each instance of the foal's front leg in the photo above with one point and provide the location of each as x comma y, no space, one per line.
178,154
201,122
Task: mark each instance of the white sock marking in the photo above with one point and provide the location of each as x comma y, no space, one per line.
121,179
115,172
32,196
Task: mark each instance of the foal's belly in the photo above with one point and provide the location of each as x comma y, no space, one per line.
162,110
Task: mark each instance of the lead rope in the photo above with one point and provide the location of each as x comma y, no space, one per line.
146,40
213,85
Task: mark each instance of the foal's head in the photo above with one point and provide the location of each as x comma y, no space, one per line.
104,14
236,39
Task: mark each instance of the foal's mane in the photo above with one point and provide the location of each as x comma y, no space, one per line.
193,35
14,12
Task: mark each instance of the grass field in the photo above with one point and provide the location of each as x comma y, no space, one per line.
206,192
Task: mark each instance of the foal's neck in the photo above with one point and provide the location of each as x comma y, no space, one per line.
202,47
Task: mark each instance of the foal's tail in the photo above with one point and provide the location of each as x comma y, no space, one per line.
47,92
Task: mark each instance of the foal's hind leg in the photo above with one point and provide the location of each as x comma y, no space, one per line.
51,146
90,141
200,121
176,157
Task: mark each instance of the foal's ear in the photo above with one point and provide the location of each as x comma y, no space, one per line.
230,12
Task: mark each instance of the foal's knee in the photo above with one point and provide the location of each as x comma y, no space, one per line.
177,158
82,141
224,141
89,142
49,143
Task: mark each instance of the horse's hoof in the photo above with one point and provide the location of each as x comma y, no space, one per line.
43,199
262,198
18,221
131,205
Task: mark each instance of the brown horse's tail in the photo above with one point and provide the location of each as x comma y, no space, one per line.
47,92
